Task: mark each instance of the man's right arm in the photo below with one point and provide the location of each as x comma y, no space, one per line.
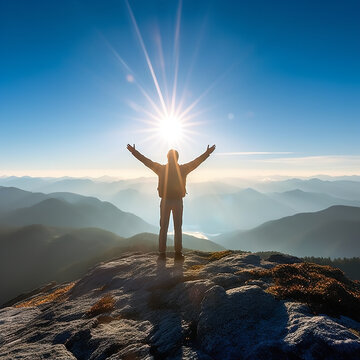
154,166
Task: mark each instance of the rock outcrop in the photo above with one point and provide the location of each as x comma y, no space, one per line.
209,307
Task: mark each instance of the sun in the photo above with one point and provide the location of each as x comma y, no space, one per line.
171,129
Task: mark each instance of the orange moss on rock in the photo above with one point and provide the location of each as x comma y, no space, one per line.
56,295
104,305
219,255
324,288
197,267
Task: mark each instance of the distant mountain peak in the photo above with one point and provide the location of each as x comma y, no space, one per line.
294,192
250,190
333,232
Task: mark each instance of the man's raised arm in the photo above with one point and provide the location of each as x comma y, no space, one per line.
154,166
192,165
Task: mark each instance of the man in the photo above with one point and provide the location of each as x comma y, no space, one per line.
172,189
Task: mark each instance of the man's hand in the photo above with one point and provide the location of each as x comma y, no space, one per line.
131,148
211,149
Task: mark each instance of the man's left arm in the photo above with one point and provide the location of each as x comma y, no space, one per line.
192,165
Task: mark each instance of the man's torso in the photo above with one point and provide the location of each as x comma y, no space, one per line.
172,181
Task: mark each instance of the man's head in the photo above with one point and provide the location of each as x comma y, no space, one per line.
173,156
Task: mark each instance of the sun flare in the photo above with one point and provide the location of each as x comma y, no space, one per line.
171,129
168,116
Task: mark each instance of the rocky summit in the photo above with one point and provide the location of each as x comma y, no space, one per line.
211,306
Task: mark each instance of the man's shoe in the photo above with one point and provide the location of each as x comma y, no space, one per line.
179,256
162,257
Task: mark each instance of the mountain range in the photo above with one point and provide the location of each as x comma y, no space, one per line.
333,232
210,207
19,208
244,209
344,189
302,201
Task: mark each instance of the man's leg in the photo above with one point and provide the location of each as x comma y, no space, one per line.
177,210
164,224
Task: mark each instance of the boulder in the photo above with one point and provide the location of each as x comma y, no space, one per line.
284,259
248,321
239,320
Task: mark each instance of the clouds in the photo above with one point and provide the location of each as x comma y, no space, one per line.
242,153
334,165
286,164
322,160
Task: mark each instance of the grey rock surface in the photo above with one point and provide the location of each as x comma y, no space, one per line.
239,320
205,308
284,259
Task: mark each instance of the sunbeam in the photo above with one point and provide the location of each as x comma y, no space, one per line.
147,58
194,103
134,78
176,55
158,41
167,118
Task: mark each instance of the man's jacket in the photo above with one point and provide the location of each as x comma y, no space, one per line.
172,176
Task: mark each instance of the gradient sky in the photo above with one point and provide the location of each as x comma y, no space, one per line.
283,81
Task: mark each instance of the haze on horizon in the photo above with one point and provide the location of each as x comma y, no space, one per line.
278,86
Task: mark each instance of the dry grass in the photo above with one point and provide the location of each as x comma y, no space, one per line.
196,267
325,289
355,332
219,255
104,305
57,295
193,272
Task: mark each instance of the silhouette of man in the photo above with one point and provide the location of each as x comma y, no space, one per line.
172,189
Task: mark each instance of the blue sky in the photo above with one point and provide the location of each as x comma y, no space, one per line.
284,79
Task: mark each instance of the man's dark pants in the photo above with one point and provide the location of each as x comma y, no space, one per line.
166,207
